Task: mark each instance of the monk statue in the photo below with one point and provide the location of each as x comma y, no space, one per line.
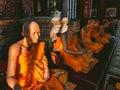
73,54
64,22
27,64
88,40
97,35
56,26
103,27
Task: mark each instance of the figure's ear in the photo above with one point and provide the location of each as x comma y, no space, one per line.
24,34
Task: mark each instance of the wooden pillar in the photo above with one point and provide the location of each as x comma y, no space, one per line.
102,9
87,5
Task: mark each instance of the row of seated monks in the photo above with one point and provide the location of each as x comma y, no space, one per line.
78,46
27,67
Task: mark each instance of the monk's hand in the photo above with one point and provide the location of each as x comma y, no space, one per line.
92,43
82,51
58,74
17,87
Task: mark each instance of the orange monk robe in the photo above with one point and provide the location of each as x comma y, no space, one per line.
103,33
99,38
30,71
89,44
73,42
76,61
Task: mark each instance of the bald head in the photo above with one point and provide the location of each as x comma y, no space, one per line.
26,26
31,31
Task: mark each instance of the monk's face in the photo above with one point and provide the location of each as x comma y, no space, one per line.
34,32
65,21
90,25
76,26
96,24
106,24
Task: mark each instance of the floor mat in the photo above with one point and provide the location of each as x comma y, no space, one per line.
70,86
92,64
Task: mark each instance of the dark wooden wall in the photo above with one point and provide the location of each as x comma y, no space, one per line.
101,6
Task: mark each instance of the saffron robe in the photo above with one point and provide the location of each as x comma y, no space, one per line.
95,47
31,69
98,37
76,61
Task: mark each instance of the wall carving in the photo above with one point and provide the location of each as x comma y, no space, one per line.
10,8
2,5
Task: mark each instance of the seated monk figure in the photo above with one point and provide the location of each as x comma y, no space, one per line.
56,27
64,22
67,44
103,27
27,64
88,40
96,33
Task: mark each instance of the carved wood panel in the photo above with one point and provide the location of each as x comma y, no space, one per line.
10,8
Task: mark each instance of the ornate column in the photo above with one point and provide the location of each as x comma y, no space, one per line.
86,10
87,5
102,9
